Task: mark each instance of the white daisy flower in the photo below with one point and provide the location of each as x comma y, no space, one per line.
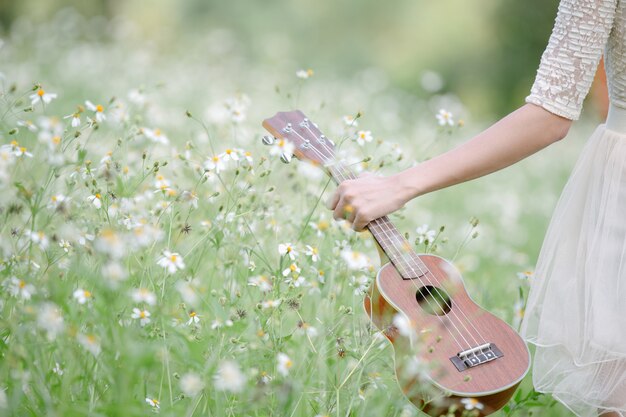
39,238
360,284
291,269
19,288
216,163
171,261
98,110
142,315
287,249
313,252
350,121
191,384
229,377
363,136
424,234
75,122
260,281
154,403
143,295
96,200
444,118
270,303
194,318
354,259
304,73
50,319
82,296
41,96
472,403
90,343
57,369
155,135
284,364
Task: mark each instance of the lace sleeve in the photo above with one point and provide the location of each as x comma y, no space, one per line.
569,62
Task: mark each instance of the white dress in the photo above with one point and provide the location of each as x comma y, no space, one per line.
576,308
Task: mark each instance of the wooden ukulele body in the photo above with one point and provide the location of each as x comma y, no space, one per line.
441,386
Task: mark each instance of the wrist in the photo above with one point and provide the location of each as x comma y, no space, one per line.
408,184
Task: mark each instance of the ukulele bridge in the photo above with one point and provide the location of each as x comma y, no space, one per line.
476,356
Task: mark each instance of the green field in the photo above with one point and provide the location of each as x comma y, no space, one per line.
142,218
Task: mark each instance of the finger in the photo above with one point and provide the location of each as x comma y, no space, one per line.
338,211
333,200
359,223
344,211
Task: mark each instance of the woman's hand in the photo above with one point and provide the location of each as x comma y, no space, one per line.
366,198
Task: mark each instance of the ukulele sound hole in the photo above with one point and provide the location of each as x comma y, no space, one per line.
433,300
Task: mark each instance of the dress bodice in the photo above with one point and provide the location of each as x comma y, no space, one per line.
583,31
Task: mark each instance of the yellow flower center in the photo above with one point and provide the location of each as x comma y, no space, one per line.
98,196
142,314
173,258
157,132
216,158
87,294
288,364
293,267
192,314
22,284
40,92
56,140
229,151
99,108
14,143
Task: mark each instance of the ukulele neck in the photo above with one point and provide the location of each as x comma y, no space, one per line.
396,247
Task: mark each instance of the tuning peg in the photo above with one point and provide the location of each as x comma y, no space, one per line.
285,157
268,140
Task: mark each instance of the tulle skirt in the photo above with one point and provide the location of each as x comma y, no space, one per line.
576,308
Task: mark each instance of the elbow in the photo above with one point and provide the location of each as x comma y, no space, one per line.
560,128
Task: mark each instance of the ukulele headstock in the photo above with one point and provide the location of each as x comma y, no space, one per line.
309,143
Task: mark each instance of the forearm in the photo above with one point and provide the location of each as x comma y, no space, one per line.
514,137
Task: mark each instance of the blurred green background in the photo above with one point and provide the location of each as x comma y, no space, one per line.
487,52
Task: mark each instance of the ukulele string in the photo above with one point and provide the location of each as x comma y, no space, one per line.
424,273
401,259
378,222
305,124
325,158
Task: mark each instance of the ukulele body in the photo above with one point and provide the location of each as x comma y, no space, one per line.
438,338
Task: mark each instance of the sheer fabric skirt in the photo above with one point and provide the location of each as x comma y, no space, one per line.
576,308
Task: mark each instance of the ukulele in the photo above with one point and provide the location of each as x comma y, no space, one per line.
474,359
